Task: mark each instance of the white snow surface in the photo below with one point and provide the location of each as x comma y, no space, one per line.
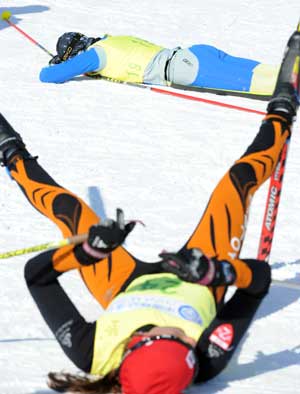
158,157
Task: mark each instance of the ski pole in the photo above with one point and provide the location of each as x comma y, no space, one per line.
274,193
6,15
272,205
270,215
276,181
74,240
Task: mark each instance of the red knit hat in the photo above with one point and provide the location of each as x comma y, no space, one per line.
156,365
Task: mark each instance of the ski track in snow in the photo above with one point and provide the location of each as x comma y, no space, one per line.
157,157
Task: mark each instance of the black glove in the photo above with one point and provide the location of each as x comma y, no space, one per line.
193,266
108,235
55,60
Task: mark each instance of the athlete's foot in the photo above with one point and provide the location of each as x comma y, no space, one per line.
10,141
285,99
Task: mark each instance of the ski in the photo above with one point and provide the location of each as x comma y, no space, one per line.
223,92
196,89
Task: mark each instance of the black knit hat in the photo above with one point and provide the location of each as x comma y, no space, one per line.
70,44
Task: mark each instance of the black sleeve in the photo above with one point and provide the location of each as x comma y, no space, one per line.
73,333
219,341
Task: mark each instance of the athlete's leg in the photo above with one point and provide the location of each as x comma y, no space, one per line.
219,70
219,341
222,228
66,210
221,231
70,213
104,279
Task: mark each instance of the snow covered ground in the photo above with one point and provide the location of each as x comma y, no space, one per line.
157,157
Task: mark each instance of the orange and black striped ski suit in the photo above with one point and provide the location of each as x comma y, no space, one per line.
220,232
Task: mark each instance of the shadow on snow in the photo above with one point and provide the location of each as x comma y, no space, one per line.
16,11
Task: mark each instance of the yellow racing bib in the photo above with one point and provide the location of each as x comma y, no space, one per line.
126,57
160,299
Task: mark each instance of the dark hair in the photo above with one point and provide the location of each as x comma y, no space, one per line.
64,382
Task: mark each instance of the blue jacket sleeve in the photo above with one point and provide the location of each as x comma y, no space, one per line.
87,61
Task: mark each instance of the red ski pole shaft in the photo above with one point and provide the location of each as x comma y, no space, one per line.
272,205
202,100
273,199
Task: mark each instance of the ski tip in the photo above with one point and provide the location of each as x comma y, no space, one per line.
298,26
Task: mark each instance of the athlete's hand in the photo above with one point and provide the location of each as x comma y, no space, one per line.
192,265
54,60
108,235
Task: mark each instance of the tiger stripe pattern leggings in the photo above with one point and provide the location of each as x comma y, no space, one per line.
220,231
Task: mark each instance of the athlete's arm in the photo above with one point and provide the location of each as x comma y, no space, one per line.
85,62
219,341
74,334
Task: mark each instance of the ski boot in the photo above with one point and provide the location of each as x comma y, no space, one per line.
10,141
286,94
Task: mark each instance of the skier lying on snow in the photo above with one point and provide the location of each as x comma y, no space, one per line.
165,324
132,59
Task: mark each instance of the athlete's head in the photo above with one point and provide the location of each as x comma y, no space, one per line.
71,44
157,364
